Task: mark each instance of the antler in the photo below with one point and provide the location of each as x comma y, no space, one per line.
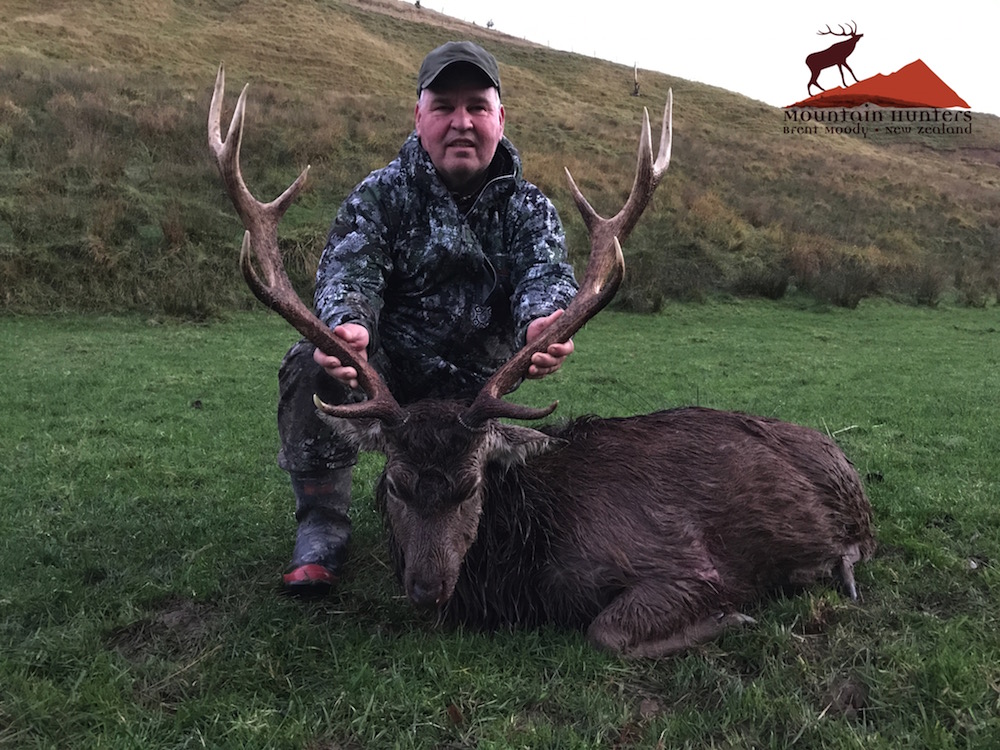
852,32
605,269
260,243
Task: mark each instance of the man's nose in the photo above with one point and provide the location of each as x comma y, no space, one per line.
461,119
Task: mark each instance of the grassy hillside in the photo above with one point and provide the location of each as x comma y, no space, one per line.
109,201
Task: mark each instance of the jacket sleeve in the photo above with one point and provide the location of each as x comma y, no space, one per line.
356,262
541,275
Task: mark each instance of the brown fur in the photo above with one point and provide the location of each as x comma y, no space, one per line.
649,532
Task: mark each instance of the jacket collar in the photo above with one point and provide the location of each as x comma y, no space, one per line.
506,165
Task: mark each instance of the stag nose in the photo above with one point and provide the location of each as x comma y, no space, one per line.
426,593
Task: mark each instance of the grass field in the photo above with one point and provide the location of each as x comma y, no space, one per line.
143,526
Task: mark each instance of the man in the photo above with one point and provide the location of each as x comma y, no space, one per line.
437,268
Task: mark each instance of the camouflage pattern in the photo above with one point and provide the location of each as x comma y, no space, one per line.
446,287
309,446
446,293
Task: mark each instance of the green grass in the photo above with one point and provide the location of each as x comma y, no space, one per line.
144,524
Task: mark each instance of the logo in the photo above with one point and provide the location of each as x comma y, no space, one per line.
913,99
836,54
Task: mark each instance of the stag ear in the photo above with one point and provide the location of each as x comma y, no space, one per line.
513,444
365,434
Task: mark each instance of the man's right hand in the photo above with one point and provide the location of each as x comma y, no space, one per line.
355,338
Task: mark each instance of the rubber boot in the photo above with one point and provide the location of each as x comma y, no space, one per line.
321,505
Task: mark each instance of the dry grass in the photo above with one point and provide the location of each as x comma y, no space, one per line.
103,164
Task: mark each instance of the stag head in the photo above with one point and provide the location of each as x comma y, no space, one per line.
436,450
432,487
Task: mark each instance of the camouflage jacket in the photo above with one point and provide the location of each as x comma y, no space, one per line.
447,294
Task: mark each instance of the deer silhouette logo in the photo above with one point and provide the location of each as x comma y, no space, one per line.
836,54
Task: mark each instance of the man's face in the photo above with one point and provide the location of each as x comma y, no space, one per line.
460,123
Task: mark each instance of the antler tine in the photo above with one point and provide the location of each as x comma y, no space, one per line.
604,273
843,32
260,245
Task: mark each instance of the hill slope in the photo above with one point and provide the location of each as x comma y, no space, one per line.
108,199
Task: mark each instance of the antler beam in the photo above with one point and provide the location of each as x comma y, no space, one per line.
605,269
260,244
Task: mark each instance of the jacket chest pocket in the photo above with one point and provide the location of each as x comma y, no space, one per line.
439,254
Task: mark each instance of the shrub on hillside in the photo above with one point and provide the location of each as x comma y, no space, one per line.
845,281
759,265
977,282
682,273
917,284
841,276
756,276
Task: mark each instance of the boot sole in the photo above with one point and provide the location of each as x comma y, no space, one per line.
308,581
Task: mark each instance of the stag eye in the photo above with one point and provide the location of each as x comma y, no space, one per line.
396,492
434,485
401,496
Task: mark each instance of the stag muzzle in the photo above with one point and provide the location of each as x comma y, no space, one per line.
427,593
432,565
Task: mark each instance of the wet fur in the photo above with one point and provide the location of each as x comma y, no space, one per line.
651,532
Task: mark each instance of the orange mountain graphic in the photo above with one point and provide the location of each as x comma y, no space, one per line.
914,85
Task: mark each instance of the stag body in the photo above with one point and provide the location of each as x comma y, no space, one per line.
835,54
648,532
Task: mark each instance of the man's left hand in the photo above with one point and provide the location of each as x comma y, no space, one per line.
548,361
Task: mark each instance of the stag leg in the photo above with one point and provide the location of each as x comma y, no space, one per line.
840,569
849,71
642,623
846,570
701,631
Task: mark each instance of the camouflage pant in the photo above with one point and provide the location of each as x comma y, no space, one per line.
308,444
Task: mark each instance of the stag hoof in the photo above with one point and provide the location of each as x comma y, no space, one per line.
845,571
734,620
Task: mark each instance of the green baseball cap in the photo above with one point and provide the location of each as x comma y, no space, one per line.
450,53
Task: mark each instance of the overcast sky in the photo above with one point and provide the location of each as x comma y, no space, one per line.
759,49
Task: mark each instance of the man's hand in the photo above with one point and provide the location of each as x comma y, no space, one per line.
547,362
355,338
